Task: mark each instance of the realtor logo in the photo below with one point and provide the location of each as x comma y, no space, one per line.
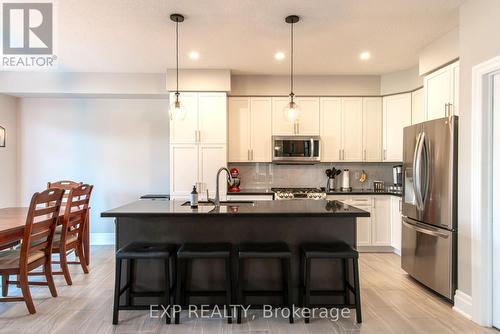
28,35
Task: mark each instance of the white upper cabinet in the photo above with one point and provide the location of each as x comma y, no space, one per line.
206,115
441,92
260,129
417,107
372,129
281,125
212,111
352,121
331,128
397,115
308,123
185,130
249,129
239,129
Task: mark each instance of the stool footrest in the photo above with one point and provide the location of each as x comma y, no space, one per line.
351,306
263,293
209,293
327,292
147,294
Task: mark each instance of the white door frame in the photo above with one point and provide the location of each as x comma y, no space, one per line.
481,195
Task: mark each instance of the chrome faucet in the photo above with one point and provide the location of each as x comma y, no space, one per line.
229,180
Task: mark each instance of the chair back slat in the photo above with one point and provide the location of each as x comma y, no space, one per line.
41,222
76,212
66,185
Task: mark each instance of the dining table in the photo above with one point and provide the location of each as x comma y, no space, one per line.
13,221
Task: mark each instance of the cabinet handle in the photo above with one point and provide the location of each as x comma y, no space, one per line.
400,206
298,128
340,154
385,154
248,154
364,155
343,154
252,153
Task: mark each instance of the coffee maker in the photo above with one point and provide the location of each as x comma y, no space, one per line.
397,179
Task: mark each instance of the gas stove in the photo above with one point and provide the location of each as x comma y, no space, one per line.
298,193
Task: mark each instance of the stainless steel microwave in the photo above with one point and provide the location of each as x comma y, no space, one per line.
296,149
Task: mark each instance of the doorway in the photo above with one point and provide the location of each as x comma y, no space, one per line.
496,201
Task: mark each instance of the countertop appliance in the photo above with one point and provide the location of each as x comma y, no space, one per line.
429,231
296,149
397,179
298,193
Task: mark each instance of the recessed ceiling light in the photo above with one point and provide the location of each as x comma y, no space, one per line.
279,55
365,55
194,55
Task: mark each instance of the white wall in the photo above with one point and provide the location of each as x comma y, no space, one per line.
8,154
118,145
306,85
439,52
479,42
401,81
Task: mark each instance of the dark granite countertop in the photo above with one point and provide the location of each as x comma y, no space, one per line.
305,208
264,191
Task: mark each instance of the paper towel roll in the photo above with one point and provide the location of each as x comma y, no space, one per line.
345,179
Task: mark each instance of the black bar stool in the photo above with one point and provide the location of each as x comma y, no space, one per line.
334,250
266,250
191,251
136,251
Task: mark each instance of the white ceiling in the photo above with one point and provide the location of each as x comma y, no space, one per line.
243,35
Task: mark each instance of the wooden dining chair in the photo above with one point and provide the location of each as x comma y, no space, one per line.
36,247
73,230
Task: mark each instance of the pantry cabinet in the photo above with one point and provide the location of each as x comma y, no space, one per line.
308,122
396,116
441,92
249,129
206,115
193,164
417,107
198,144
381,231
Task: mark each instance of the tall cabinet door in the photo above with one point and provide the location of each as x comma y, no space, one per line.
281,125
309,119
183,131
183,169
212,113
352,119
239,129
260,129
372,129
331,128
397,115
438,90
417,107
211,158
381,224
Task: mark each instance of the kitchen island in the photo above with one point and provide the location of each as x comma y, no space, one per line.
293,222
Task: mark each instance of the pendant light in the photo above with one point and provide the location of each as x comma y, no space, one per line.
177,110
291,110
2,136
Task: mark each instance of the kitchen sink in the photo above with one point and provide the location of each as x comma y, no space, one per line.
222,203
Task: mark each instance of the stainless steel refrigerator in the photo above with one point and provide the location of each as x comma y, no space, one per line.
429,231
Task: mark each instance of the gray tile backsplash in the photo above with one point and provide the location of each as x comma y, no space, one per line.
267,175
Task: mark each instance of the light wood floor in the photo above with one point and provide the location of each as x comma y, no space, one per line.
392,303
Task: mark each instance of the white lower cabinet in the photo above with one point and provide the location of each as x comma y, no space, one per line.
376,230
396,221
381,227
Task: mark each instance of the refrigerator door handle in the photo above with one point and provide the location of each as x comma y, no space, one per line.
425,153
416,173
425,230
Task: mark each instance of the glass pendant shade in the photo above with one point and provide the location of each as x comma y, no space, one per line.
2,137
177,110
292,112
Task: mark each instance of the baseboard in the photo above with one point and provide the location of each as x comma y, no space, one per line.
102,239
463,304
